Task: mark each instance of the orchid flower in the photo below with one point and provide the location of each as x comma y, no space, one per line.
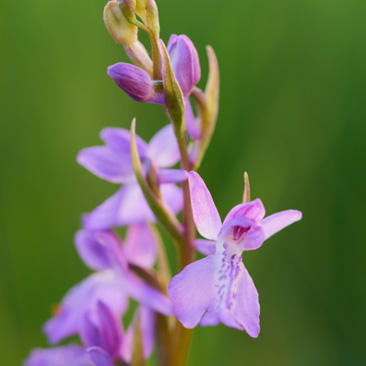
113,163
218,288
113,284
138,84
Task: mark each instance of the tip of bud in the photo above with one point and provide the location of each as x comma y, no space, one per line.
246,194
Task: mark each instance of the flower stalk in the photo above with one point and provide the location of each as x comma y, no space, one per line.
214,289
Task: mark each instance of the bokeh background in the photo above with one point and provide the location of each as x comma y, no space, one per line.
292,114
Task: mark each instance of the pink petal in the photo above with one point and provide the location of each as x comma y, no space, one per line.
82,298
239,234
278,221
99,356
110,328
206,247
247,310
147,295
111,165
140,246
236,299
205,214
119,139
173,196
163,148
127,206
192,290
172,176
60,356
95,253
254,210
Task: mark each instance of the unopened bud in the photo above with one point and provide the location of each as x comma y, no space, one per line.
174,98
246,194
128,9
133,80
152,17
185,62
121,30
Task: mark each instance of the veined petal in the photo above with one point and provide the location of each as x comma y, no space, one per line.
278,221
60,356
99,357
253,210
206,247
172,176
106,285
236,299
140,247
111,165
163,148
192,291
205,214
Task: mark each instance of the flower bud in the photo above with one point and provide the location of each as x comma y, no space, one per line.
121,30
185,62
133,80
128,9
152,17
141,6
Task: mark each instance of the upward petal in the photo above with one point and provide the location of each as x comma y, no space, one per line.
205,214
253,210
278,221
163,148
239,234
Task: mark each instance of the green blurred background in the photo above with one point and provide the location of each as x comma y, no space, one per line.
292,114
